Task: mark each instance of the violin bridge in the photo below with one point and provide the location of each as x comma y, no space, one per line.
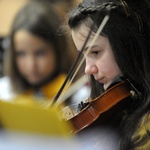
67,113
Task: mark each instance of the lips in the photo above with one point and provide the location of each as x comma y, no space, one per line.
101,80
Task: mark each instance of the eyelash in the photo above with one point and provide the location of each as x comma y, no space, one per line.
95,52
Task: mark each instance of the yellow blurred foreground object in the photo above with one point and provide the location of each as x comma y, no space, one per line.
32,118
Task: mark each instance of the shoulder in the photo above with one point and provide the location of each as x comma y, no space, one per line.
141,137
5,88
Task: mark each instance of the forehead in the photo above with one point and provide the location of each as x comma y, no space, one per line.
79,37
25,39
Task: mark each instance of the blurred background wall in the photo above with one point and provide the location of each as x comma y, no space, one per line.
8,9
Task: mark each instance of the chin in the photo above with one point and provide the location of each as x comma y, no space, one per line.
106,86
34,82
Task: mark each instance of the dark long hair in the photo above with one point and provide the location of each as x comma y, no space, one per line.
40,19
129,37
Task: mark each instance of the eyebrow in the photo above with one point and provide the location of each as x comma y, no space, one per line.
86,48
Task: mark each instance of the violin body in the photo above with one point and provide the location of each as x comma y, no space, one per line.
99,109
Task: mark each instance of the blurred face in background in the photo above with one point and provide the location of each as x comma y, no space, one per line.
35,58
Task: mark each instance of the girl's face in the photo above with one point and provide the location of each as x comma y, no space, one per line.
35,58
100,61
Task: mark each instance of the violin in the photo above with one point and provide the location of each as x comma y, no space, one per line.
98,108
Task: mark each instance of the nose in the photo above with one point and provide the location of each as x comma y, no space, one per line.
30,62
90,67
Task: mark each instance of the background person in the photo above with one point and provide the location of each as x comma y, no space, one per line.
39,56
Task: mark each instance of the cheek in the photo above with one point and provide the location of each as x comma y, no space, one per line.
20,63
47,64
108,66
113,69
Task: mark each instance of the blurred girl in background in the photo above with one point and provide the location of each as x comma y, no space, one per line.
39,56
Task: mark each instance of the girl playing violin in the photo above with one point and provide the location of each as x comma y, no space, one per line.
121,49
39,56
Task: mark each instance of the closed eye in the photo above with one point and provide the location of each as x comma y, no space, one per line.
20,53
41,53
95,52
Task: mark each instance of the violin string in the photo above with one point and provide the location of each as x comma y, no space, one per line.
106,18
72,89
72,70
